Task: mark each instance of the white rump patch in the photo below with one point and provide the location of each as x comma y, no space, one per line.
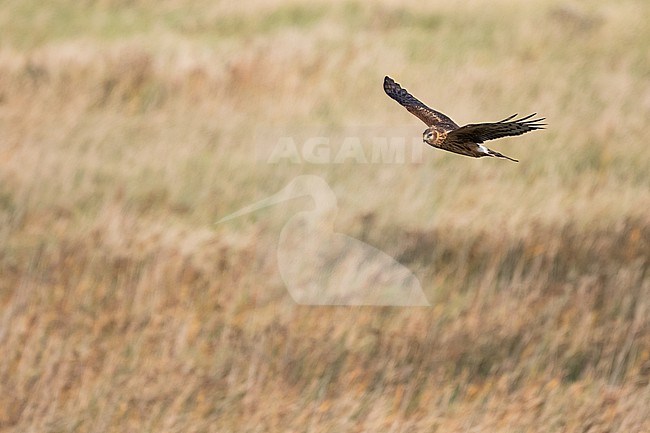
483,149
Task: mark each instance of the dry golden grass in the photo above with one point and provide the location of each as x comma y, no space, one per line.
128,129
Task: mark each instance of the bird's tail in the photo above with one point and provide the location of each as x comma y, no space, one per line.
500,155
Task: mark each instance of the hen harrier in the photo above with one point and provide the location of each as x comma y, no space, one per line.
466,140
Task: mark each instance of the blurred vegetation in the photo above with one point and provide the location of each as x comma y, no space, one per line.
130,127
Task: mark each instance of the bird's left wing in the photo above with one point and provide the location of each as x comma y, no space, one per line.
416,107
480,132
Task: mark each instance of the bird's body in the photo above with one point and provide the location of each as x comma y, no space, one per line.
443,133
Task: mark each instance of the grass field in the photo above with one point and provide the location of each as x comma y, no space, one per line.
128,128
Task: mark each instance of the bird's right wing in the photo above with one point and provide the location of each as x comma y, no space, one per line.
428,115
480,132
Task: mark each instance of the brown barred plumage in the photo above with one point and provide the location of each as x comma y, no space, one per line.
466,140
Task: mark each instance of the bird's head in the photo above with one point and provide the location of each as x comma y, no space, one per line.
430,136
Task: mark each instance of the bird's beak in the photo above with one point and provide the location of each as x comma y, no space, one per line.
269,201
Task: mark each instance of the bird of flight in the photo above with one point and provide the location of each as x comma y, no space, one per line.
466,140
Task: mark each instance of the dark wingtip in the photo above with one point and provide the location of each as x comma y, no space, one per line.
508,118
535,124
524,120
390,86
